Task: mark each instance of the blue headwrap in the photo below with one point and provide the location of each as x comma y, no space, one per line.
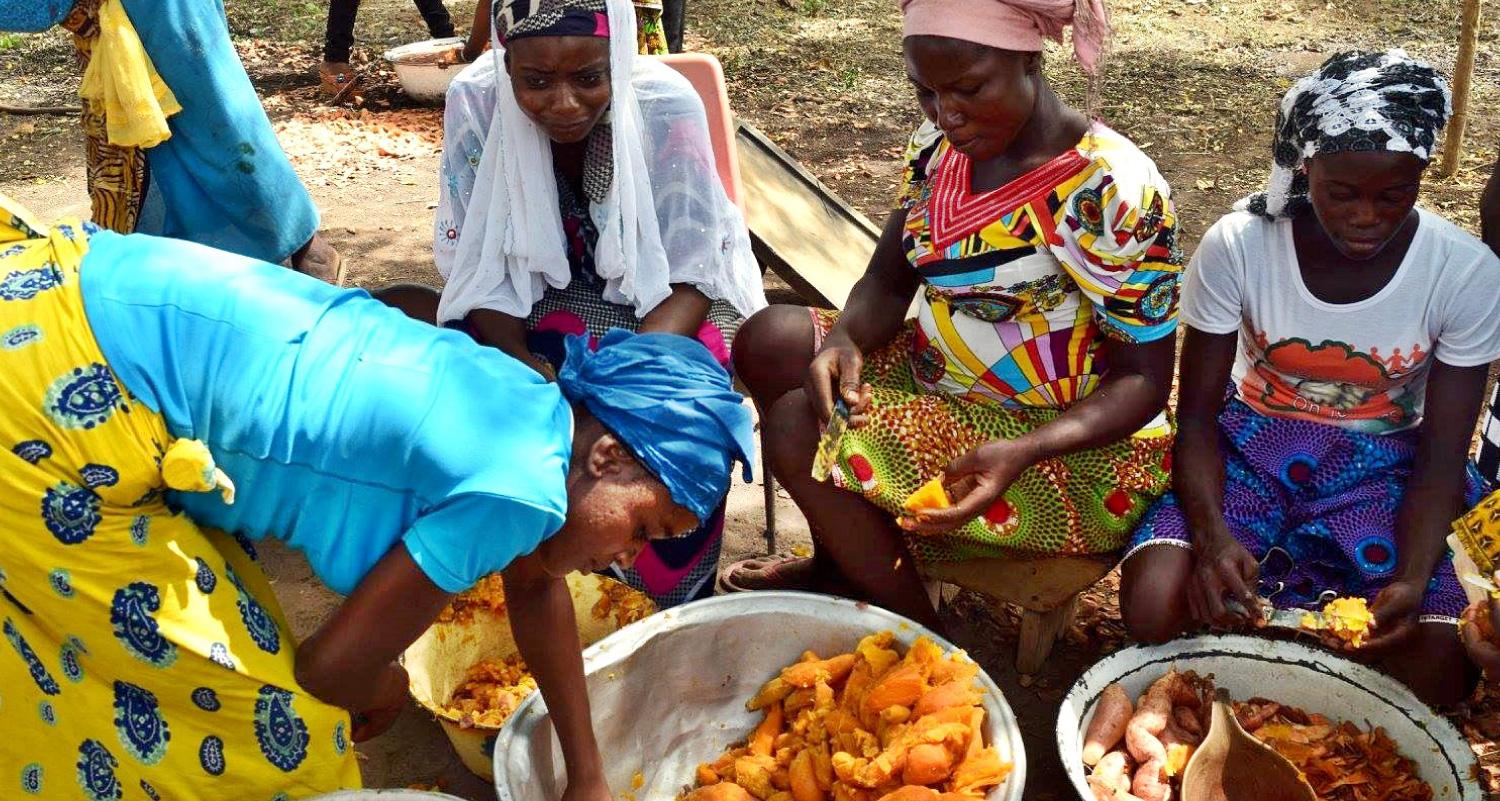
671,404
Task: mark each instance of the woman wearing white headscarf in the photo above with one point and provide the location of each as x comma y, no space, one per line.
579,194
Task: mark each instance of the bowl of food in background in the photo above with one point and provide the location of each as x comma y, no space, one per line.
1353,731
467,671
749,695
426,68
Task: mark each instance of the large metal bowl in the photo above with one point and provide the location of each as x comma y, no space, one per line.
439,661
423,75
669,692
1290,673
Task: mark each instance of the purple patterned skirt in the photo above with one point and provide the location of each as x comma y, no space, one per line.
1317,506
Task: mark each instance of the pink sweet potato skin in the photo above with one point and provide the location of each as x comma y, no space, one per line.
1107,728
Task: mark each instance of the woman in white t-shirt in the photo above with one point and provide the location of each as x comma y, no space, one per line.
1353,331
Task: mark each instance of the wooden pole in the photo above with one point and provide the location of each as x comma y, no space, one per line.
1463,76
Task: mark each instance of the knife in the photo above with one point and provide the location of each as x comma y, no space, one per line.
827,454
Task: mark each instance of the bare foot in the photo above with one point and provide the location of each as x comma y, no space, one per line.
780,573
320,260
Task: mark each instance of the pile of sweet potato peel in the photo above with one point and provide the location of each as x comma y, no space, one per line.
1341,761
871,725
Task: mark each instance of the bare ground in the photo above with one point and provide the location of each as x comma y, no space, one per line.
1194,82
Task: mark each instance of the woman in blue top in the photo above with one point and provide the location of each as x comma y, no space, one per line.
149,379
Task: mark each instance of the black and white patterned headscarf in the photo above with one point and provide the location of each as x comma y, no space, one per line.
1356,101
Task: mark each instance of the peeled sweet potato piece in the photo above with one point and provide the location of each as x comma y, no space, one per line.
980,771
804,780
754,774
823,768
910,793
877,652
762,742
723,791
902,686
927,763
925,654
954,693
832,670
953,668
771,692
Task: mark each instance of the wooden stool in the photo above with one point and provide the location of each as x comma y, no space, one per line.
1046,589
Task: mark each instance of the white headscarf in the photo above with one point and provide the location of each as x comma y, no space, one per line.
512,233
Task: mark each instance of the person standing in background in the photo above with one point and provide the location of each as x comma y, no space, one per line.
335,74
176,141
673,17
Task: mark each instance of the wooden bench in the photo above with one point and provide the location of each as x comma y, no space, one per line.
1046,588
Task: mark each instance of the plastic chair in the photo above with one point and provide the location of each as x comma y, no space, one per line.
707,77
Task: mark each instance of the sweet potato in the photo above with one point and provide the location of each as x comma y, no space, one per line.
902,686
706,775
980,771
932,495
927,763
798,700
1102,793
754,774
1150,782
1143,731
953,669
1178,755
769,693
884,768
910,793
804,778
1174,734
877,652
1100,790
1142,737
1107,728
806,674
723,791
1113,771
764,738
1187,720
823,768
959,692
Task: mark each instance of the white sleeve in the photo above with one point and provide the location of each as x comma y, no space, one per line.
1212,297
469,107
702,232
1470,333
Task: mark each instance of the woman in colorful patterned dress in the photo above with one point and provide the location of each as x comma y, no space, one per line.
145,655
1354,331
1041,250
579,194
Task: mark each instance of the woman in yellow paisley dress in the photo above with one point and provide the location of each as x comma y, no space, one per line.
158,393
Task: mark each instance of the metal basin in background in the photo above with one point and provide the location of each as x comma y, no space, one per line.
669,692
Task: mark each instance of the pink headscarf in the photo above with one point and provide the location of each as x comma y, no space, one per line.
1012,24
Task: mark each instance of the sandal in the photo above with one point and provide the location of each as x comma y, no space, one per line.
337,80
777,572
